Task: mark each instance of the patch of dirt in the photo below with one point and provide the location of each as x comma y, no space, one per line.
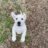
38,22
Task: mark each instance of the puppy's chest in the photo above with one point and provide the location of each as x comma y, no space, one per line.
19,30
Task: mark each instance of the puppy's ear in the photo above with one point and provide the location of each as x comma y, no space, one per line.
13,15
24,15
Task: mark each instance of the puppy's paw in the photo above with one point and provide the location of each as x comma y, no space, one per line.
13,39
22,40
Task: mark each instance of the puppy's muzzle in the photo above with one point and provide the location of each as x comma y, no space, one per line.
19,23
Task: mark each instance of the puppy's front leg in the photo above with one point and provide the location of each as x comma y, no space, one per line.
23,36
13,35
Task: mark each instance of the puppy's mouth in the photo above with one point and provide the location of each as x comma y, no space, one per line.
18,23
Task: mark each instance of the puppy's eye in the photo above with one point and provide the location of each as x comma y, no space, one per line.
16,18
21,18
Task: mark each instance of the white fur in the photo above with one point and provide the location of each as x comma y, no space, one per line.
19,30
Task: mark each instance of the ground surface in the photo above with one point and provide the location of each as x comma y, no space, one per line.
37,24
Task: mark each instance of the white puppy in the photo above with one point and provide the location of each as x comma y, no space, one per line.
19,26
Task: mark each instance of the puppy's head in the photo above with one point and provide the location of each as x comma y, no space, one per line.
19,18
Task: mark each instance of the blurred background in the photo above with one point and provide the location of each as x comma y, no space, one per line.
37,23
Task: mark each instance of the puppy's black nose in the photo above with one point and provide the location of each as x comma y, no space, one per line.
19,23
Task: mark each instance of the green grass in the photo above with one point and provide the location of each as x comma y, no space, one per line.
5,27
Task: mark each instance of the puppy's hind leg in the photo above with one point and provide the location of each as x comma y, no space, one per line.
13,35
